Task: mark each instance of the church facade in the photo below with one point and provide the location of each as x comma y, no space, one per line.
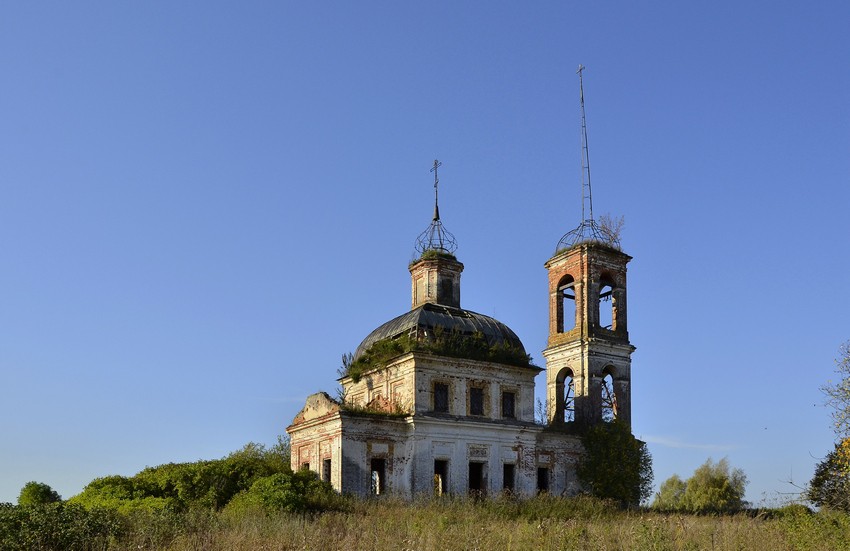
441,400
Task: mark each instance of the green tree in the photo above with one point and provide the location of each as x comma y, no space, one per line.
830,486
37,493
713,488
670,494
838,393
616,465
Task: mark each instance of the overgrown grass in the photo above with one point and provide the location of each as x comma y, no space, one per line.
543,523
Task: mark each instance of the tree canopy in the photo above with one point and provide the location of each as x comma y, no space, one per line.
713,488
37,493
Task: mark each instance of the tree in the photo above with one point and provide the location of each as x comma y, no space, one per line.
838,393
670,494
830,486
616,465
713,488
37,493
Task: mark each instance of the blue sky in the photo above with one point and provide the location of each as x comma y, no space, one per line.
203,205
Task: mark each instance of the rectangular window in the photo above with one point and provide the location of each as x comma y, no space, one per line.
476,401
441,397
379,473
542,480
508,470
441,477
305,466
326,470
508,405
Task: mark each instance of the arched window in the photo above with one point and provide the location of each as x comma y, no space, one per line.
566,304
565,405
569,399
609,397
606,304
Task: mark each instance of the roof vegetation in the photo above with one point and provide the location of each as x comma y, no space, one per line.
440,342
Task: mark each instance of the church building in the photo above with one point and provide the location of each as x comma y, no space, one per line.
440,400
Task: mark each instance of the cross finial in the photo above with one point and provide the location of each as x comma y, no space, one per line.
580,69
437,164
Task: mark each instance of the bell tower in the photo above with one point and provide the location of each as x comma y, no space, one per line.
588,357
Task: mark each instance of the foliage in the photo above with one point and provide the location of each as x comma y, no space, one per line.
37,493
670,494
830,486
838,393
713,488
291,492
57,526
180,486
616,465
453,343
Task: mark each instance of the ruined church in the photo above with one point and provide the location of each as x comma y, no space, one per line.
440,400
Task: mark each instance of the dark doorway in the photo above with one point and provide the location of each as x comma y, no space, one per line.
542,480
441,477
508,471
378,476
476,479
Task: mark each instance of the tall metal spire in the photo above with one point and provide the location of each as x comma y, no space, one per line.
588,230
436,238
586,191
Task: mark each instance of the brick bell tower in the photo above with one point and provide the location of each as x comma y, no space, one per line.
588,357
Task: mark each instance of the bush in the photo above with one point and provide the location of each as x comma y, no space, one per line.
291,492
57,526
616,465
183,486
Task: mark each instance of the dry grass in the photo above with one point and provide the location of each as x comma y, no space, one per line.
545,524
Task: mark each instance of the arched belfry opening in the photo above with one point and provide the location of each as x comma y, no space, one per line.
566,304
605,301
608,396
588,338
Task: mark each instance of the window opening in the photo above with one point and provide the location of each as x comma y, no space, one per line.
542,480
606,304
445,292
326,470
508,405
476,401
566,304
569,399
476,478
441,397
609,398
379,470
305,466
508,474
441,477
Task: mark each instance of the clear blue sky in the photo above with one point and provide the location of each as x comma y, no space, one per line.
205,204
